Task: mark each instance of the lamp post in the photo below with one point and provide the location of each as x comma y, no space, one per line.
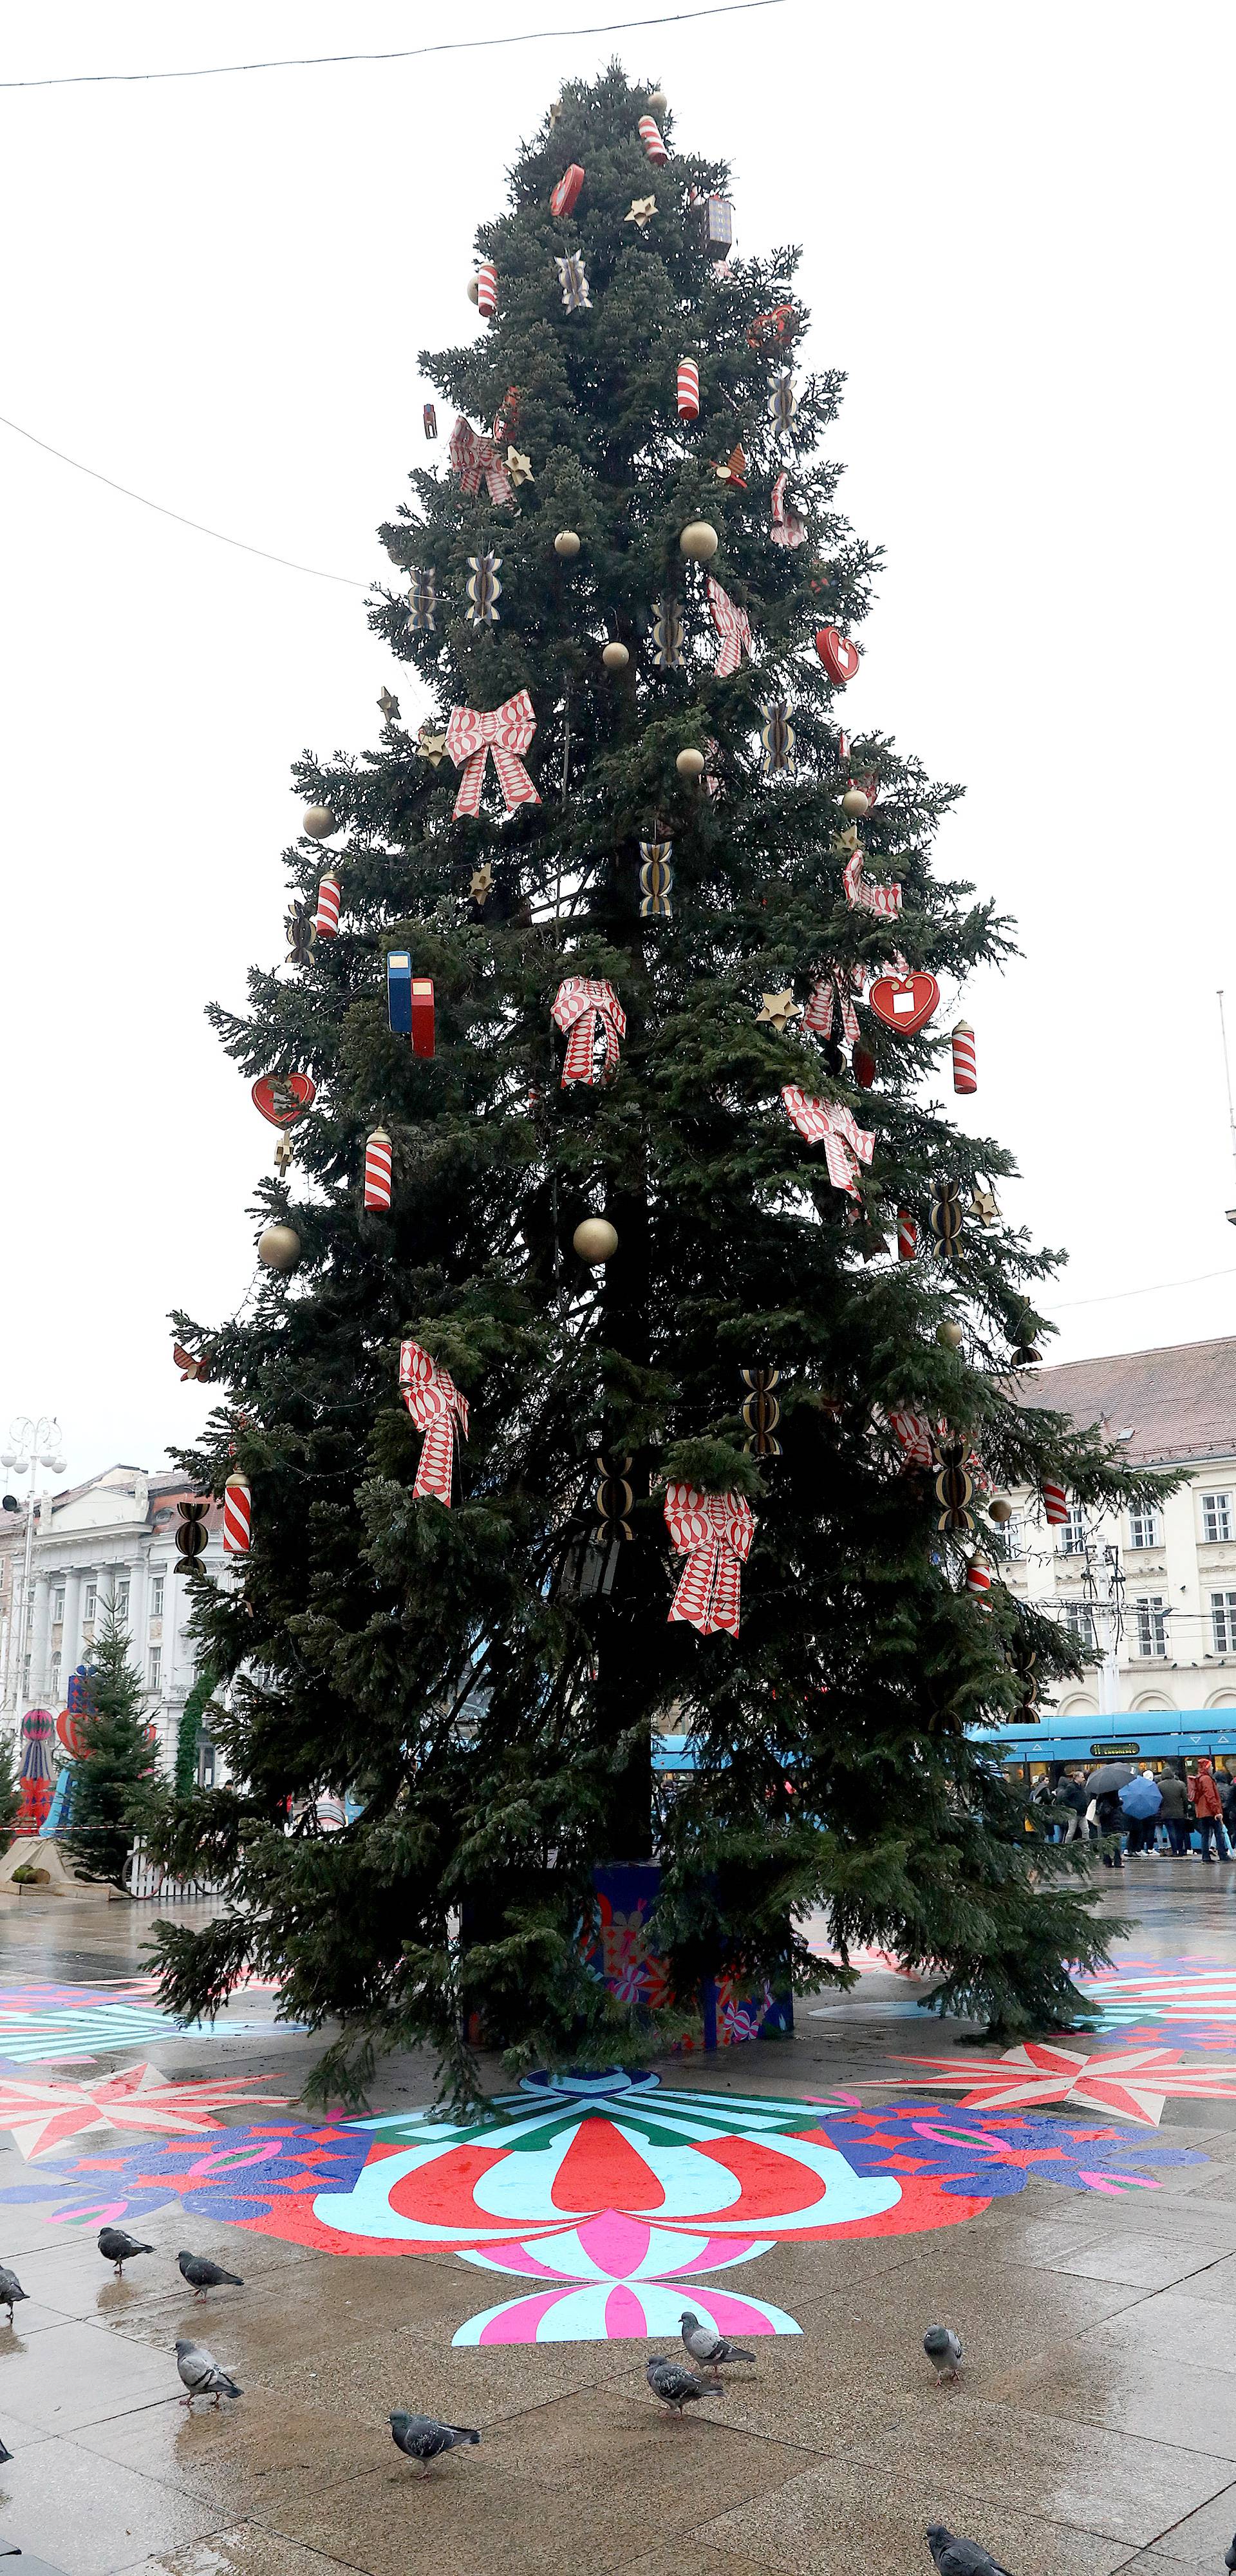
32,1444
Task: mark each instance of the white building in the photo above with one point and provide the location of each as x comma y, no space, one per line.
1156,1591
112,1539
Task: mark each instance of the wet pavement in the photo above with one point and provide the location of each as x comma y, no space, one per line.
1068,2208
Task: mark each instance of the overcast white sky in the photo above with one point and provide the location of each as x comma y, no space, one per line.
215,291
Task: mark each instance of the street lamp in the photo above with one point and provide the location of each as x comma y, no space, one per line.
32,1444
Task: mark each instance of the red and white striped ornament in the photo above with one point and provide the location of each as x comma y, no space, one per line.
1055,1503
978,1577
965,1075
653,141
326,918
688,389
486,289
907,1235
237,1514
378,1169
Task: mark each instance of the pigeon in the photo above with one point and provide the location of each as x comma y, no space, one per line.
956,2557
203,2275
704,2345
675,2386
7,2455
1229,2555
423,2438
201,2373
10,2289
943,2348
115,2247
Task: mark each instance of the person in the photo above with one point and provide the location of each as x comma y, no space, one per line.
1141,1801
1072,1795
1208,1809
1109,1817
1227,1794
1172,1812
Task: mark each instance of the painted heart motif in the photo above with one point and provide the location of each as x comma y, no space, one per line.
838,655
284,1097
904,1002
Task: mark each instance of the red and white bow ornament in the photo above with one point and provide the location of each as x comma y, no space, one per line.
507,730
915,1437
863,895
832,997
786,529
473,454
829,1122
586,1008
733,626
437,1408
714,1532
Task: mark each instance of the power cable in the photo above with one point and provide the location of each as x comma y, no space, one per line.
164,512
1111,1296
404,54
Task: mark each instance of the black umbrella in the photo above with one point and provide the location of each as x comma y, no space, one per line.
1109,1777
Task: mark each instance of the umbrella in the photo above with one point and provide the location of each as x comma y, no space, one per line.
1109,1777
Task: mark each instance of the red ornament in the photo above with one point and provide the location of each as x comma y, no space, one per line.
69,1734
978,1577
378,1169
838,655
237,1514
965,1075
422,1015
653,142
904,1002
284,1097
1055,1503
907,1235
566,195
326,918
688,389
774,328
486,289
864,1064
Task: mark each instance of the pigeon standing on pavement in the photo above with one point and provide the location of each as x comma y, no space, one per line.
10,2289
675,2386
956,2557
423,2438
6,2455
704,2345
1229,2555
203,2275
943,2348
201,2374
115,2247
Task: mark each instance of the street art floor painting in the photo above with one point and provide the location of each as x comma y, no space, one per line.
605,2194
44,2023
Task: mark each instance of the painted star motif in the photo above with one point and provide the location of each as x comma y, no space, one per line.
779,1010
1127,2083
519,467
642,211
41,2115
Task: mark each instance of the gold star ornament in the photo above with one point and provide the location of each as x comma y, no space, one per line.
431,745
388,705
519,467
779,1011
482,883
983,1206
642,211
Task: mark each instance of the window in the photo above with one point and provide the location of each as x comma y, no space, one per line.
156,1596
121,1598
1223,1620
54,1672
90,1601
156,1667
1079,1620
1015,1533
1151,1624
1073,1532
58,1606
1216,1517
205,1764
1144,1529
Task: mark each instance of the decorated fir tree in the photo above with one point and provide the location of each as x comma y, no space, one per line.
625,994
113,1779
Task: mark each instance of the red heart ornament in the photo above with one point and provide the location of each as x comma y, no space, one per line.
904,1002
284,1097
838,655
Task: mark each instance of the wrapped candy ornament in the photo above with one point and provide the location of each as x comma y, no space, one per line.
484,589
326,918
378,1169
688,389
237,1514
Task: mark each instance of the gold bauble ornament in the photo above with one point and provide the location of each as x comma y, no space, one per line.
949,1334
615,657
279,1247
699,541
657,102
595,1240
319,823
1000,1508
690,763
566,542
474,290
856,801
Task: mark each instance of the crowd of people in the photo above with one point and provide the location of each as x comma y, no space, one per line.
1150,1815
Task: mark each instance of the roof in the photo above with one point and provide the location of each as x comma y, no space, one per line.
1176,1404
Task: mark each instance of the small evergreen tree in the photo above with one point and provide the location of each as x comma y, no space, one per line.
10,1790
189,1731
113,1780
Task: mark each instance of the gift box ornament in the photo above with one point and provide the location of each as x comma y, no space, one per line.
409,1002
715,216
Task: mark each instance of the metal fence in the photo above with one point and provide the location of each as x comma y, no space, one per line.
145,1880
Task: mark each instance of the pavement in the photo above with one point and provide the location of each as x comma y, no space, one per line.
1069,2208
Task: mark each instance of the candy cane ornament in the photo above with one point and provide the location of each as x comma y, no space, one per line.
326,918
237,1514
1055,1503
378,1169
651,137
965,1073
688,389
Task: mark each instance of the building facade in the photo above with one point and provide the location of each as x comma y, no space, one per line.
110,1540
1154,1590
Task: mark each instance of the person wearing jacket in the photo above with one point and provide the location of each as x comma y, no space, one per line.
1208,1809
1142,1803
1071,1794
1172,1812
1109,1816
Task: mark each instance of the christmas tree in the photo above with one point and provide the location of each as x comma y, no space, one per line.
114,1777
685,1444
